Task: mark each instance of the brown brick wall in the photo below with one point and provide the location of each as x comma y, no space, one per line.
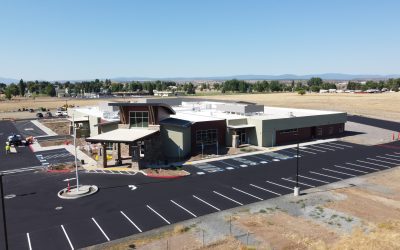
220,126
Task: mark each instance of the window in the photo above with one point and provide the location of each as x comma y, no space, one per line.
341,129
139,119
289,131
330,130
206,137
319,131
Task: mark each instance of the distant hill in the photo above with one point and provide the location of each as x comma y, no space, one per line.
327,76
8,80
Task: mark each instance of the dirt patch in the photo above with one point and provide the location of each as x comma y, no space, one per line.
280,230
59,126
165,172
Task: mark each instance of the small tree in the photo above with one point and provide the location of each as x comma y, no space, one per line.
301,92
7,93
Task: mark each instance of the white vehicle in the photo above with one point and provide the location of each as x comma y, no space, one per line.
61,113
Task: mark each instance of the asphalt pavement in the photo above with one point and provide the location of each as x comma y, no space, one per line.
24,156
27,128
384,124
37,218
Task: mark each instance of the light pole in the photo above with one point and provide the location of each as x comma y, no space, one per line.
3,211
76,160
297,188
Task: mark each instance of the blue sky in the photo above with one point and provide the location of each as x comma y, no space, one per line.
75,39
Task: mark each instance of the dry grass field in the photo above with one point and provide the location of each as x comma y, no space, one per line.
385,105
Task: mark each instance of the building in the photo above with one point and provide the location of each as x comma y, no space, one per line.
95,120
160,129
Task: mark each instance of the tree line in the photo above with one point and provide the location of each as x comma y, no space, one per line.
107,87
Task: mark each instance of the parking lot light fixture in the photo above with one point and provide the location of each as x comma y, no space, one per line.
296,190
76,160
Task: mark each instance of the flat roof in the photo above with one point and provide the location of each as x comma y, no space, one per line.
122,135
206,111
140,104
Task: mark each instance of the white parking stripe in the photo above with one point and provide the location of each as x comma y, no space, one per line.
372,163
66,235
382,161
351,169
184,208
228,164
301,183
126,216
333,177
360,166
158,214
324,148
258,158
397,153
313,179
341,145
305,151
265,189
101,230
328,145
226,197
312,149
330,170
237,189
279,185
29,241
397,156
387,158
205,202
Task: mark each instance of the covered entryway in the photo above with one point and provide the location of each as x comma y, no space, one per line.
133,139
240,134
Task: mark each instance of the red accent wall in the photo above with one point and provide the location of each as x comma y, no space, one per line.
309,133
220,126
283,138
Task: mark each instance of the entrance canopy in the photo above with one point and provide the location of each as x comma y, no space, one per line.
122,135
241,126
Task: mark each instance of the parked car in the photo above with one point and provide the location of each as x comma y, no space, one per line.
39,115
60,113
15,139
31,110
48,115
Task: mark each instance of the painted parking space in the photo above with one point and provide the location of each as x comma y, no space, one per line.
54,156
204,195
107,171
268,157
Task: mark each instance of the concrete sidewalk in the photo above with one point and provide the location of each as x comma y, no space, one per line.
272,149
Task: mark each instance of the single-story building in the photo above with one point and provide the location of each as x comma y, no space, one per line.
153,130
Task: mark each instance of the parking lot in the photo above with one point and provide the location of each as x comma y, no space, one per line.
54,156
119,210
265,158
27,128
23,159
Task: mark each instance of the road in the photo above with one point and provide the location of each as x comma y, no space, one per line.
37,217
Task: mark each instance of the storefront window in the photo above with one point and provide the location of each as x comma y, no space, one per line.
206,137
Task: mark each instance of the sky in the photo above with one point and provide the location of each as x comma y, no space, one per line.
87,39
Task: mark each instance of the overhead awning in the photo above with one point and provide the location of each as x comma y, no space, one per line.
78,119
122,135
241,126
